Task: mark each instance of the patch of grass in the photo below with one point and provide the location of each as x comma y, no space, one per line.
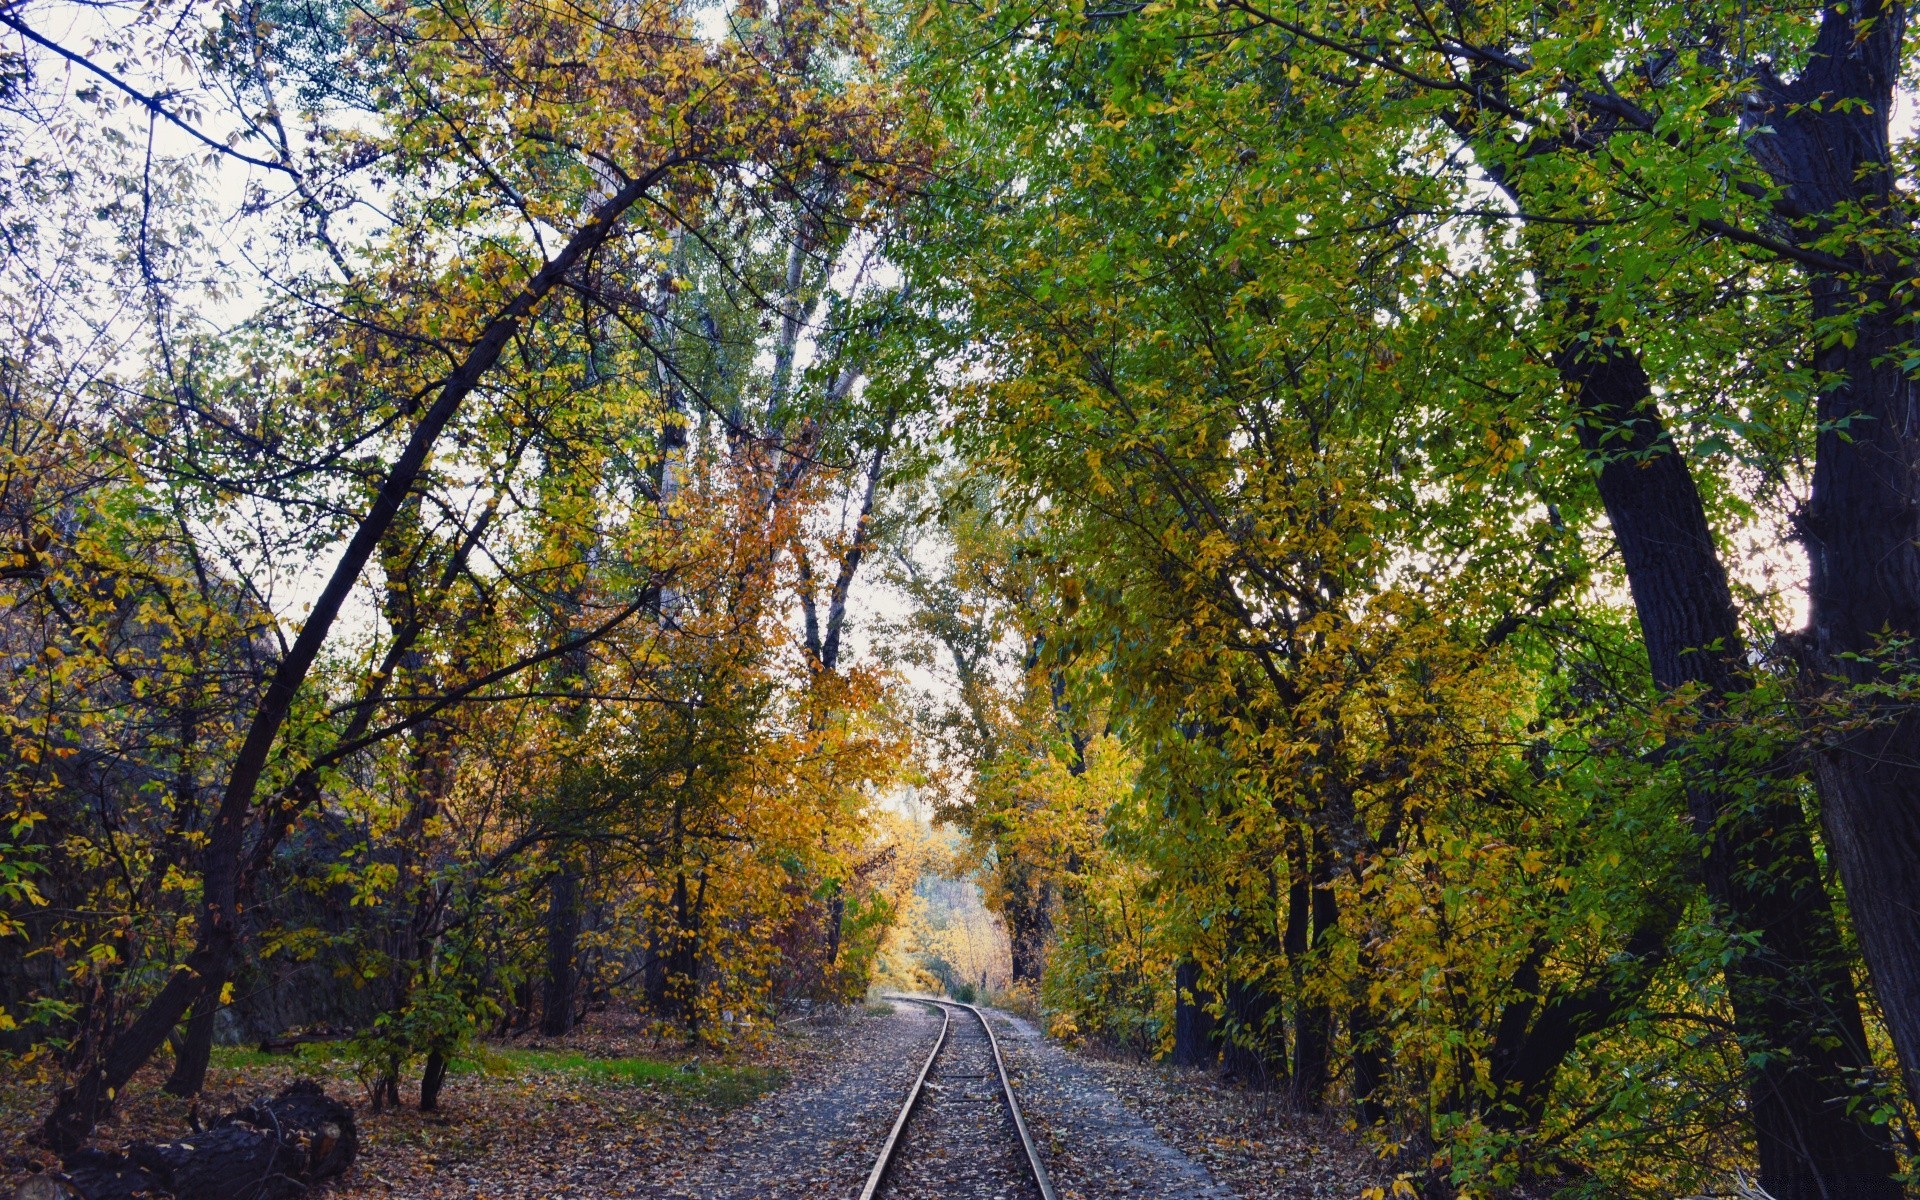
312,1054
720,1085
233,1058
481,1059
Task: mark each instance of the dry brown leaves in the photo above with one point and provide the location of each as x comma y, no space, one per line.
1254,1144
532,1124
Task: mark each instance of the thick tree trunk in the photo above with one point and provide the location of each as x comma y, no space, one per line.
1862,532
1313,912
563,936
1825,139
1795,1009
1367,1052
1871,791
1253,1027
1312,1055
1254,1042
1028,911
432,1079
1193,1044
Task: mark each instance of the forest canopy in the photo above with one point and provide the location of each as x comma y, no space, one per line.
1388,535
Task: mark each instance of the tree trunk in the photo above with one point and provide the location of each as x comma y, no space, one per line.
1254,1049
1860,528
1193,1044
1253,1029
1028,910
1540,1028
523,1005
1825,139
1871,793
196,1047
687,957
673,956
432,1079
563,935
1796,1013
1367,1051
80,1106
1313,913
1312,1055
653,975
836,925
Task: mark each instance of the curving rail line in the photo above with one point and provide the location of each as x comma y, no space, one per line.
885,1160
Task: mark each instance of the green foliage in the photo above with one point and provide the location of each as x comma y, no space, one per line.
425,581
1256,352
236,1057
1211,374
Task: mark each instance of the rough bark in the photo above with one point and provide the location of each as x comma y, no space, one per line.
563,936
195,1048
1193,1044
1028,912
1871,793
1824,137
1797,1015
432,1079
1313,912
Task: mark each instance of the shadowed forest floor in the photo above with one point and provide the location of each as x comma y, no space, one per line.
604,1111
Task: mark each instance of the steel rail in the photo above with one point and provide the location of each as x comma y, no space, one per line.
880,1164
1038,1168
1040,1175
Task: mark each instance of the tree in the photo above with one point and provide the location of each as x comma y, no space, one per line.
410,322
1266,210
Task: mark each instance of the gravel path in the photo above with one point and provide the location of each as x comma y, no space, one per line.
1094,1146
815,1139
961,1141
1252,1146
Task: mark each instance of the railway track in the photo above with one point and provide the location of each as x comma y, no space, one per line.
953,1150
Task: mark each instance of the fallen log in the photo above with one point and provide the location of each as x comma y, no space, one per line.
273,1149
